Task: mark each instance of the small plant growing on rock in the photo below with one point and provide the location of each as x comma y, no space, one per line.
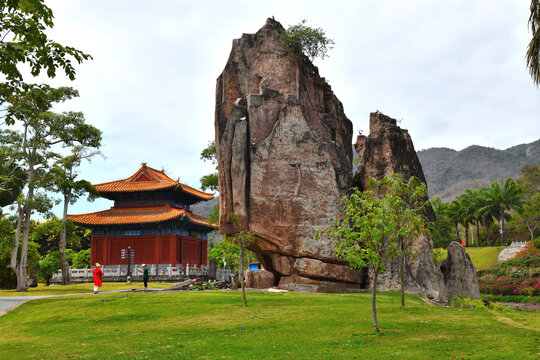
301,40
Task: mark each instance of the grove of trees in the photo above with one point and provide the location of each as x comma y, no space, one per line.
507,206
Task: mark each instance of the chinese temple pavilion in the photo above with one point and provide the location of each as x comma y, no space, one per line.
151,215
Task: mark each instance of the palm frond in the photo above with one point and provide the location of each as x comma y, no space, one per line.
533,50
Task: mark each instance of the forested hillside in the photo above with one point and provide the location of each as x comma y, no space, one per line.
449,172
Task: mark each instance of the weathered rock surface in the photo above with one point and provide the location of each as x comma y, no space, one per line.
389,149
285,160
459,273
259,279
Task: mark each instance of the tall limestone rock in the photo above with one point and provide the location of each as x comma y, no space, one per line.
389,149
285,160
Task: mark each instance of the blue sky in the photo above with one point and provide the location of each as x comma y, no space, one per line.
453,72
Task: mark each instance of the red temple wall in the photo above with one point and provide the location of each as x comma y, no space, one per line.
152,249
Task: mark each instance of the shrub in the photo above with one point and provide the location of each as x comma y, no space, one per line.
493,305
465,302
513,298
301,39
81,259
48,266
509,285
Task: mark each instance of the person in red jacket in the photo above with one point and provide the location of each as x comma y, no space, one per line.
98,276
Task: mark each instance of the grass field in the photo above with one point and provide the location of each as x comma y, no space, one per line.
482,257
214,325
81,288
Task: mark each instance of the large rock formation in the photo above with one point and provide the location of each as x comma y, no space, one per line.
459,273
389,149
283,146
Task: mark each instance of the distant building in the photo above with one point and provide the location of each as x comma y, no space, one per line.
151,215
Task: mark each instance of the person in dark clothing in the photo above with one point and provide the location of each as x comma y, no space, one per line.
144,270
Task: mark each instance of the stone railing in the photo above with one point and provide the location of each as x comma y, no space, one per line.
157,272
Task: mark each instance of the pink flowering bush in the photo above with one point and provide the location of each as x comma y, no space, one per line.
509,285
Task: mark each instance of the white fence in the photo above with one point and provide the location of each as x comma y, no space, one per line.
165,272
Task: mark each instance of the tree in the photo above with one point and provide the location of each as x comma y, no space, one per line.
23,39
488,212
41,131
442,229
301,40
368,232
210,181
529,181
12,181
409,206
226,254
529,216
81,259
64,181
241,239
503,197
454,213
533,49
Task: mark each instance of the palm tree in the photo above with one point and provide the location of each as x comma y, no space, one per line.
453,212
533,50
466,213
502,198
477,203
487,212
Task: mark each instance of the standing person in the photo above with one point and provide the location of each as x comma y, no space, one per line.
144,270
98,276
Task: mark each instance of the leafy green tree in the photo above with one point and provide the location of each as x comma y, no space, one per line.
81,259
41,130
64,180
529,181
210,181
48,233
12,181
529,216
241,239
8,279
226,254
533,50
51,264
23,39
504,197
409,204
302,40
441,232
368,232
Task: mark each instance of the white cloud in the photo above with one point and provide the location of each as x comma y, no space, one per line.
453,71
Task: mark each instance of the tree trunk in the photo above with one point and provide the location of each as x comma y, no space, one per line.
477,232
15,247
502,229
401,275
22,279
457,233
62,246
466,234
488,241
241,275
374,302
531,230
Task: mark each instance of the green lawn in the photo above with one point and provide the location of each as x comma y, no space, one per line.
215,325
482,257
81,288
